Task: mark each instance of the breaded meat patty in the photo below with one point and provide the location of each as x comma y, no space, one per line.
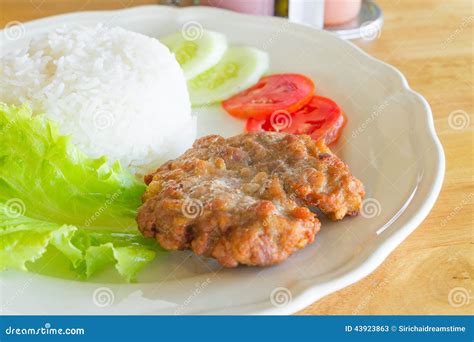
243,200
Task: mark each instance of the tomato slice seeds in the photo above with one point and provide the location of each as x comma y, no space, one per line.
320,118
287,92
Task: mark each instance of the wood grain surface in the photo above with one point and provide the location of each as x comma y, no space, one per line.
430,41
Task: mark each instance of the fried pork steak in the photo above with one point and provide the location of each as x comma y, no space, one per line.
242,200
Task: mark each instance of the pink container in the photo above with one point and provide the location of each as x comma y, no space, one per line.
340,11
259,7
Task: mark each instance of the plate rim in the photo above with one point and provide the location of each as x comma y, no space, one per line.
306,293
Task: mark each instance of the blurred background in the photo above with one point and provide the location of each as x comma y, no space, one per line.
431,42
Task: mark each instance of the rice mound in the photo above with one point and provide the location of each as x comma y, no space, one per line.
116,93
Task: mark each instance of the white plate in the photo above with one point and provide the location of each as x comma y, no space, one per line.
390,144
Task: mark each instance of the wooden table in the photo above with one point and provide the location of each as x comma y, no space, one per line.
430,41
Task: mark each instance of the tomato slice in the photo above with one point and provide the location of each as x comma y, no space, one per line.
287,92
320,118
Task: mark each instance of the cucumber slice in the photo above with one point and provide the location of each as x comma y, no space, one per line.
197,55
239,68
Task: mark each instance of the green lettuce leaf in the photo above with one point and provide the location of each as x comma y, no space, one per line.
53,196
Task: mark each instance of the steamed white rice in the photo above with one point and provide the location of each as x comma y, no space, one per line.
115,92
